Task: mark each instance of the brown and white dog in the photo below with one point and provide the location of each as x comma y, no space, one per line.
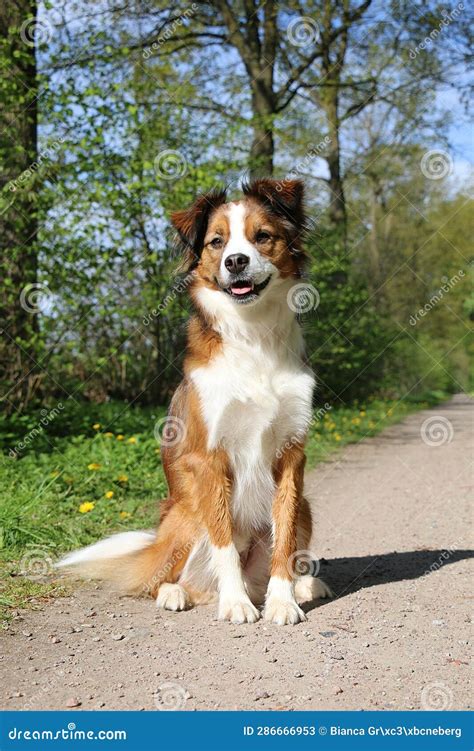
235,515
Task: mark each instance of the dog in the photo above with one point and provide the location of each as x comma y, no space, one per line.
233,448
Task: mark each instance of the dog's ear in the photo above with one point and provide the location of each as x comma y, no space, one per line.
191,226
283,197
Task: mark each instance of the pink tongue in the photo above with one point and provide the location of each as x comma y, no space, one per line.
241,290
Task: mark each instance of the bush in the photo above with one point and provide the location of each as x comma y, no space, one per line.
346,336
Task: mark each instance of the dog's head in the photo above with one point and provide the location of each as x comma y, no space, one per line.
244,249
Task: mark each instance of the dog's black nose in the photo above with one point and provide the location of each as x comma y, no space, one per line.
236,263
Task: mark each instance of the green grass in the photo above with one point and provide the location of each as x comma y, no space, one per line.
334,428
71,463
22,592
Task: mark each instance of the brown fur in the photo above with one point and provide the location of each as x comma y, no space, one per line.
289,474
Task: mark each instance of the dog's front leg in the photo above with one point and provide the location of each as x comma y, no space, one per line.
234,602
213,486
281,606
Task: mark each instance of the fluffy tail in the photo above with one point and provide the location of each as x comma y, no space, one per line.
134,561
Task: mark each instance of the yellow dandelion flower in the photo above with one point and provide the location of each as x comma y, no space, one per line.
132,439
337,437
94,465
158,451
355,421
122,478
371,424
109,494
120,437
124,514
362,413
85,507
96,426
108,435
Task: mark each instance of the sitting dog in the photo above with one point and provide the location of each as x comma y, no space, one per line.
233,448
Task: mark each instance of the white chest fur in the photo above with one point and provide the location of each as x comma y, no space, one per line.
254,397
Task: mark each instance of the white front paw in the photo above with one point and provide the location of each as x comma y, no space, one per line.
283,612
172,597
240,611
308,589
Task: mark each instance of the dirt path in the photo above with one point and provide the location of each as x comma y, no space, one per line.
393,524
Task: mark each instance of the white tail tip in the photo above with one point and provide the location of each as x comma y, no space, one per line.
112,547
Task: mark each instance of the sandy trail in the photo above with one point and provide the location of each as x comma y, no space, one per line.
392,531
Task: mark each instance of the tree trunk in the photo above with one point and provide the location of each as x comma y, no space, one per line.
374,260
332,65
19,373
262,149
256,42
337,205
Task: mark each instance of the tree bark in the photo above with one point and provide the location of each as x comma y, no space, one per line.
332,65
337,205
256,43
19,373
262,148
374,260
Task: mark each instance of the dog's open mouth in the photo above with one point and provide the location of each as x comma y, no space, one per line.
244,290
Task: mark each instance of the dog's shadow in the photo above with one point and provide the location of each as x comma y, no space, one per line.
348,575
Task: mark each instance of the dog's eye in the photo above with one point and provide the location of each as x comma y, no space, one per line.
216,242
262,236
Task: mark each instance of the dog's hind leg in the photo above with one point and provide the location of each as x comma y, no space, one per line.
307,587
195,583
178,536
